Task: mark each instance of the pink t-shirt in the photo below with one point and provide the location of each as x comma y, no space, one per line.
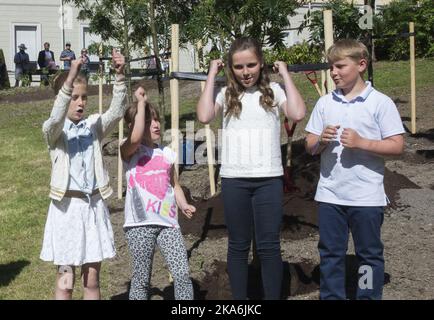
150,198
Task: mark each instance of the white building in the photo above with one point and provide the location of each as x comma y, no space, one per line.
34,22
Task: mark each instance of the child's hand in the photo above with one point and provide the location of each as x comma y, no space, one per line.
140,94
188,210
216,66
76,65
329,134
73,71
350,138
281,68
118,61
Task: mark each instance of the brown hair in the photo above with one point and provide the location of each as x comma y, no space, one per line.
235,89
347,48
60,79
150,113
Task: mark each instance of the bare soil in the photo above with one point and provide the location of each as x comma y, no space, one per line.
408,230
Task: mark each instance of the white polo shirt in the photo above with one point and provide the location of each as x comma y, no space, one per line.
354,177
251,143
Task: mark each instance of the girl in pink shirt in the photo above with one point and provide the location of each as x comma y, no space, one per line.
153,193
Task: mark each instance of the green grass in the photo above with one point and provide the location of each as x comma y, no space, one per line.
25,171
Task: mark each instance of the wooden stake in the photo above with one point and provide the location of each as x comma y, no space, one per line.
120,168
413,78
323,79
328,39
174,93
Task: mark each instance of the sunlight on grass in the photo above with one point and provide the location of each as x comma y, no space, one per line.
25,167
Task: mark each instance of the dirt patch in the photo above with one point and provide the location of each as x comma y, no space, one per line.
408,231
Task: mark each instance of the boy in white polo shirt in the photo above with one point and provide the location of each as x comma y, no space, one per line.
352,128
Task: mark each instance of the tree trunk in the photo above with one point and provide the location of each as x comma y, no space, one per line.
161,104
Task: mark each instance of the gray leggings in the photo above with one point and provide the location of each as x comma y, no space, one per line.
141,243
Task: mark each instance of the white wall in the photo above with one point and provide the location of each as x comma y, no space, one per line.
46,15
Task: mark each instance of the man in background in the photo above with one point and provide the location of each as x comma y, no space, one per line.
67,56
46,62
22,66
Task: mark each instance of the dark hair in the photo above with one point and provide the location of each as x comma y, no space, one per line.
235,89
60,79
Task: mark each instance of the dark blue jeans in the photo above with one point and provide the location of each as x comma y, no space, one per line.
254,206
335,222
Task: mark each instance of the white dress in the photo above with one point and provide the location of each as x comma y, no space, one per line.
78,231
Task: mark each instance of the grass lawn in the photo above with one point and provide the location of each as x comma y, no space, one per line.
25,170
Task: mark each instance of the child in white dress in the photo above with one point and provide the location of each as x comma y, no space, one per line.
78,230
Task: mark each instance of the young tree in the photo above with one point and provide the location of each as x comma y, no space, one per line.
131,23
394,20
345,22
221,21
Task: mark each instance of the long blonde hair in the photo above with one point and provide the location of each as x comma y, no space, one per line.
235,89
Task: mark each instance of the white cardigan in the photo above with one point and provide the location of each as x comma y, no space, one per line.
100,125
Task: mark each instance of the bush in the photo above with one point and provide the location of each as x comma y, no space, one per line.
395,19
4,78
345,22
301,53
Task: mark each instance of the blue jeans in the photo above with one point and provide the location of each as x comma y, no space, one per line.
254,205
335,222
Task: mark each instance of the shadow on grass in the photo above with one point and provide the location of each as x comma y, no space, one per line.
9,271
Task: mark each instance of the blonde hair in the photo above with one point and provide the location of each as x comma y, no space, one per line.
235,89
347,48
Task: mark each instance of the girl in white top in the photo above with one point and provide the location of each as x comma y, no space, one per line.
251,167
153,191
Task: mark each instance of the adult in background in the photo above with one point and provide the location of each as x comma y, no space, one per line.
46,62
67,56
22,65
86,60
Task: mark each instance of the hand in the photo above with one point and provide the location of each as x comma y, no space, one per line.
350,138
118,61
75,67
188,210
281,68
216,66
329,134
140,94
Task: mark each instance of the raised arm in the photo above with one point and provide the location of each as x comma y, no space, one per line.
130,146
206,109
294,107
52,128
118,106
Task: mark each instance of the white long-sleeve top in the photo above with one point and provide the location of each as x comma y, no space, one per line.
101,125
